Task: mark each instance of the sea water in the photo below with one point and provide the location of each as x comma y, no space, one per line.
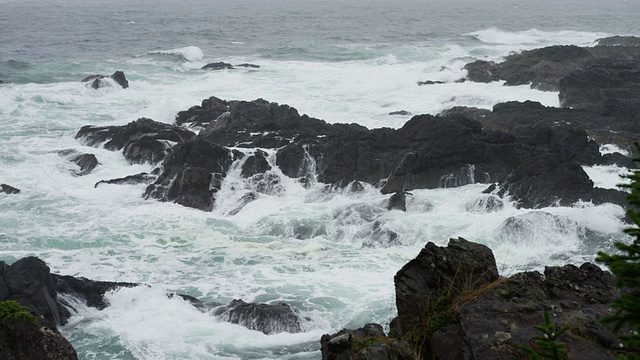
313,248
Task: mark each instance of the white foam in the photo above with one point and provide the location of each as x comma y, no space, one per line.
536,37
187,53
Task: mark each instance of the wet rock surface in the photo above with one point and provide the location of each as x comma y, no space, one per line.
366,343
97,81
142,141
20,340
8,189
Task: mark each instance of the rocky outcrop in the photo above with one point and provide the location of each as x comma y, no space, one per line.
97,81
142,141
30,282
605,86
427,152
86,162
438,275
543,68
556,128
366,343
142,178
576,297
453,305
8,189
619,41
20,339
192,173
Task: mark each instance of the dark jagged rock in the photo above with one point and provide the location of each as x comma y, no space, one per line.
8,189
482,71
247,65
427,152
20,340
142,141
96,80
618,159
544,181
269,319
255,164
496,316
90,292
619,41
462,266
204,114
87,163
218,66
505,315
400,112
192,174
514,117
429,82
28,281
398,201
142,178
543,68
366,343
605,86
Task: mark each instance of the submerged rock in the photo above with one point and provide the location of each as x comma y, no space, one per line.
142,178
97,80
247,65
8,189
87,163
218,66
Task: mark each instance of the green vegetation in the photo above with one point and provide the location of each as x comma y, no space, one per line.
11,309
626,267
363,343
546,346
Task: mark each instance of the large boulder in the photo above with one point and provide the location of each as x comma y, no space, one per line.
204,114
489,317
438,276
20,340
192,174
97,81
30,282
142,141
8,189
266,318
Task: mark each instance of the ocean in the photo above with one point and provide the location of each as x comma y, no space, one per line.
341,61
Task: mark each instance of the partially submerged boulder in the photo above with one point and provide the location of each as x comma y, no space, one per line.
266,318
8,189
97,81
218,66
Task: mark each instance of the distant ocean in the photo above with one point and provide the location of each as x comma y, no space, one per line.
341,61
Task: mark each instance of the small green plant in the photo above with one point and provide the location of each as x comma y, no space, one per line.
547,346
11,309
626,267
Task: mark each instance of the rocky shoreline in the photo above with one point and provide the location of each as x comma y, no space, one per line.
531,153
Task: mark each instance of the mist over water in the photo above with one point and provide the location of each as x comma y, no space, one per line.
330,253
